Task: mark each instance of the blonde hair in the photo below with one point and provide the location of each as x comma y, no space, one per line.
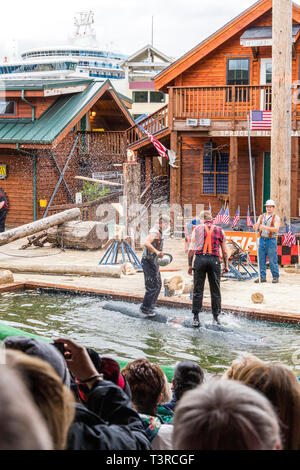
247,360
53,399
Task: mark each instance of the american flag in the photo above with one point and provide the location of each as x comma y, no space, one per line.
226,218
249,221
159,147
261,120
289,238
219,218
236,218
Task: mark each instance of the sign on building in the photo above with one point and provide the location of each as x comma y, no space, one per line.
3,171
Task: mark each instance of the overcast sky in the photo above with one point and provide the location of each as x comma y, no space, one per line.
123,25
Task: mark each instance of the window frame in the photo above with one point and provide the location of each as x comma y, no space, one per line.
9,114
237,58
215,173
157,102
140,91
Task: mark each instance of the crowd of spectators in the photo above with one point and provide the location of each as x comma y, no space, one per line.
69,397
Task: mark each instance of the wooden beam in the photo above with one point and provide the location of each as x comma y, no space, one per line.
281,107
294,176
233,175
174,181
94,180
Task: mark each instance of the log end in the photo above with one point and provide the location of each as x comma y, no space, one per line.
257,298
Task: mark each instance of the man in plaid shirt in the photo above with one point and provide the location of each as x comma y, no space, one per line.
207,239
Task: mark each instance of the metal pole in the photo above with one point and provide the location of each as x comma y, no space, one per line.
252,192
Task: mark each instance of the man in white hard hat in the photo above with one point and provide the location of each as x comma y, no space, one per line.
268,226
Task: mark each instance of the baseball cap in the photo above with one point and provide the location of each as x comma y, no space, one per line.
270,202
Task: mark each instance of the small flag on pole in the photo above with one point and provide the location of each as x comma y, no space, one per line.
210,208
236,218
219,217
226,218
249,221
289,238
261,120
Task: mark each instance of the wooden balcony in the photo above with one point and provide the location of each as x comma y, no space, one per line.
226,106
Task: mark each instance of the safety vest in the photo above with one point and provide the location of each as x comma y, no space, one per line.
271,225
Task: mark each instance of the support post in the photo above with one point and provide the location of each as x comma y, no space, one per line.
233,175
131,195
281,106
294,176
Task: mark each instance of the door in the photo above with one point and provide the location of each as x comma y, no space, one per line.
266,79
267,178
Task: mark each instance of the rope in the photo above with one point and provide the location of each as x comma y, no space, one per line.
36,256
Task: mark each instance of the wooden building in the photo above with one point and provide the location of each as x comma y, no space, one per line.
212,89
51,131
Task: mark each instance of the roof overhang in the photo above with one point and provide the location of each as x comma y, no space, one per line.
262,36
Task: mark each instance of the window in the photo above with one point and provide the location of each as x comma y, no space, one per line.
157,97
7,107
238,73
140,96
214,173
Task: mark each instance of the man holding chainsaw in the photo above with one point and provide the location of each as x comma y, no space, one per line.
207,239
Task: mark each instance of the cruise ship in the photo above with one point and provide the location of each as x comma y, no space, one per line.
82,58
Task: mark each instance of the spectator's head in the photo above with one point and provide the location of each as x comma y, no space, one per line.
22,427
54,400
187,375
110,370
146,382
225,415
247,360
280,385
167,392
45,351
206,216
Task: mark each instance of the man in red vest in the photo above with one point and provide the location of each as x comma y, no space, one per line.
3,211
207,239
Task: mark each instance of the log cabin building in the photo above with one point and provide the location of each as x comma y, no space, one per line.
51,131
212,89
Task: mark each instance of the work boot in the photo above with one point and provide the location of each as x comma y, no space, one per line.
196,322
275,281
216,319
148,313
262,280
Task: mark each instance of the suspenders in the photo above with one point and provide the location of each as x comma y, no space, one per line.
208,240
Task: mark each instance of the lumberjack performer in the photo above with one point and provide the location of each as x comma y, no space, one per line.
207,239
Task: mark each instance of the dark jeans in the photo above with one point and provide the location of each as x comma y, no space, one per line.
152,283
210,265
3,214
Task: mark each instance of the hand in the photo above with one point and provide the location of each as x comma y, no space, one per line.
77,359
160,254
226,269
190,270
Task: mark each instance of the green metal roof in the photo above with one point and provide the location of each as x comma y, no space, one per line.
54,120
41,84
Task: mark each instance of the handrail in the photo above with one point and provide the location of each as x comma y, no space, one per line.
153,123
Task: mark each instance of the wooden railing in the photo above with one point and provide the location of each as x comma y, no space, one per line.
153,123
220,102
106,143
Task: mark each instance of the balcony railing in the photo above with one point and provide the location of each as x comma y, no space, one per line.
153,123
102,143
220,102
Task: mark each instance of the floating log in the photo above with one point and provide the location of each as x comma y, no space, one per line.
93,271
86,235
38,226
6,277
174,285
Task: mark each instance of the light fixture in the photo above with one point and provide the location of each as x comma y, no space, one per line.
93,113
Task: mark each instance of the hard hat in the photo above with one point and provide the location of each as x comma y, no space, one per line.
270,202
